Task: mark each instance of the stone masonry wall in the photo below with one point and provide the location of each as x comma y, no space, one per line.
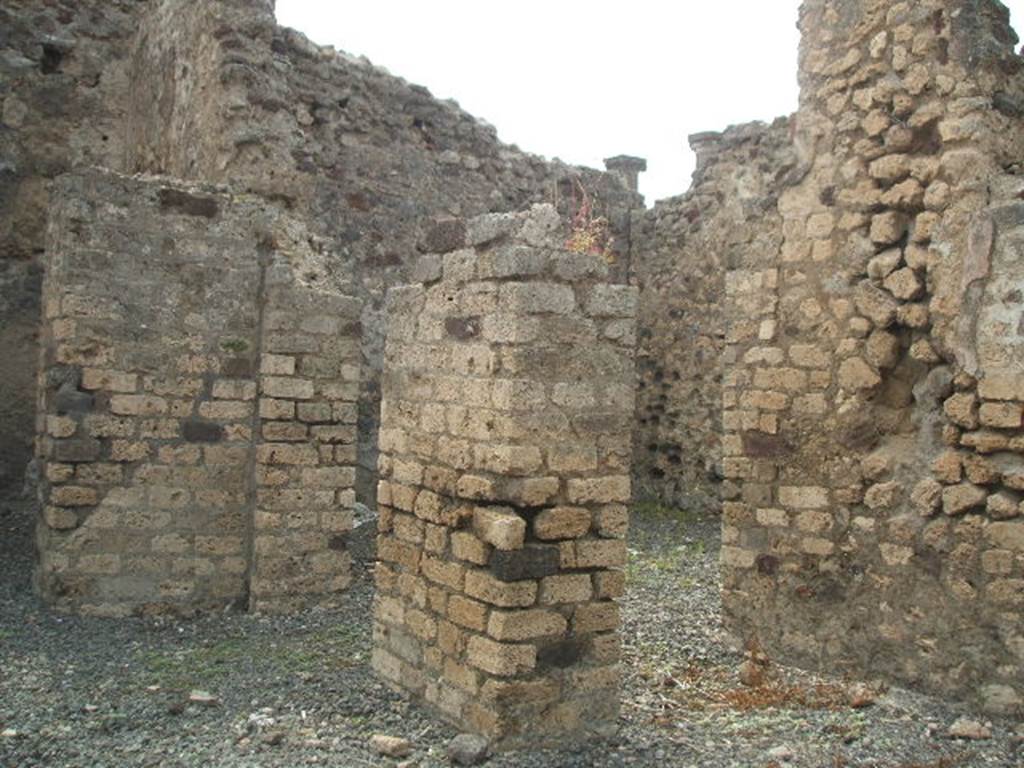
873,402
214,90
62,73
681,251
189,339
505,474
364,156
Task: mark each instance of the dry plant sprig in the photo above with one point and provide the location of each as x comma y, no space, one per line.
588,233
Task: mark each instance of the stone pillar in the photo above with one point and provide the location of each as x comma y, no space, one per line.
627,168
505,450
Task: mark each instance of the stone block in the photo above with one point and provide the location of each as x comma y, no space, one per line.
538,298
601,490
1002,386
888,228
561,523
525,625
803,497
958,499
876,305
590,553
138,405
612,301
466,546
1002,415
287,387
109,381
501,659
1003,505
277,365
595,617
485,587
565,588
533,561
856,374
77,451
468,613
1009,536
500,527
73,496
234,389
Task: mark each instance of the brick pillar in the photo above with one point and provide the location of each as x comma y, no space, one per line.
505,451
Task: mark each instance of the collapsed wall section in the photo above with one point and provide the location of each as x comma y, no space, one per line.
175,386
505,474
681,251
872,404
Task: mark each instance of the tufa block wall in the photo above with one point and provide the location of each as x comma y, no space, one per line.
505,439
361,155
197,404
215,91
872,397
62,74
682,249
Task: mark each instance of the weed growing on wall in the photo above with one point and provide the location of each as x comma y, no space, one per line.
588,232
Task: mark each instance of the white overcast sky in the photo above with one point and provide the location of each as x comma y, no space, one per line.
584,80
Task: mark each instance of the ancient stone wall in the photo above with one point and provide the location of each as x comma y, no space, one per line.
197,403
214,91
62,73
505,439
872,405
364,156
681,250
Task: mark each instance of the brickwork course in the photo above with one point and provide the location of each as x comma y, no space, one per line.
827,330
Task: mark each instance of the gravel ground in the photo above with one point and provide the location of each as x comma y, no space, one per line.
294,691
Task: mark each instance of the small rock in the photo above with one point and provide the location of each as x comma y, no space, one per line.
203,699
861,696
9,733
751,673
1000,699
782,752
467,749
176,706
390,746
969,729
272,737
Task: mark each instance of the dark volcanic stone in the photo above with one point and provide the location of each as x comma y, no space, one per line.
467,749
76,450
562,654
198,431
72,401
535,561
462,328
445,235
177,201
